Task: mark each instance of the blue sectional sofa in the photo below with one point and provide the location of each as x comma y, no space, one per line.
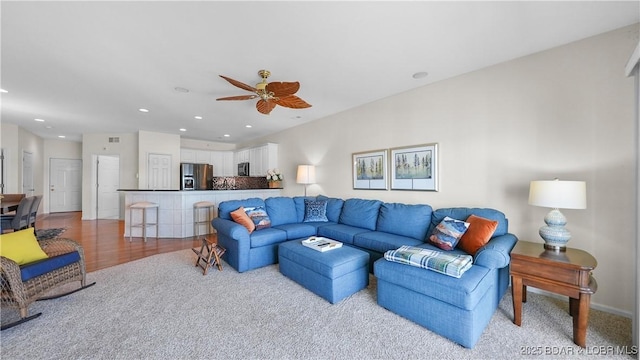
457,308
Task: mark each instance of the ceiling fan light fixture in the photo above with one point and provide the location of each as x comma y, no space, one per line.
261,86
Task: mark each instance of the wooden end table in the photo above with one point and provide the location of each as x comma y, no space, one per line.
563,272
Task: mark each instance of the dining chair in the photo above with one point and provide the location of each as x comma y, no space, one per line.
19,220
33,212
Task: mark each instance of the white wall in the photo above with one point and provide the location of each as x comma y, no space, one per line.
566,113
98,144
9,143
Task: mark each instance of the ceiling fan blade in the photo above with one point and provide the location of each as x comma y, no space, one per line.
239,84
293,102
282,89
265,107
239,97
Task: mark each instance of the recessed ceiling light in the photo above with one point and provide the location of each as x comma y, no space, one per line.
61,136
181,89
143,110
48,127
248,126
183,129
420,75
198,117
3,91
226,135
39,120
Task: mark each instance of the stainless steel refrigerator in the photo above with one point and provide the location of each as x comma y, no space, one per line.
196,176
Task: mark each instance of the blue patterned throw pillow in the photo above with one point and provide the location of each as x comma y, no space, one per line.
447,234
259,217
315,210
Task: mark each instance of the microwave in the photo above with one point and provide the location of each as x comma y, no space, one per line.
243,169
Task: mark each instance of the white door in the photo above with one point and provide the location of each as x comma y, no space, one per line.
159,177
27,173
108,204
65,185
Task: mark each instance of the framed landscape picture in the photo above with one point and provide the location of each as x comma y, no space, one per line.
370,170
414,167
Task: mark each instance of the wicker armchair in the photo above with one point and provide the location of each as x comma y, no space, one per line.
20,295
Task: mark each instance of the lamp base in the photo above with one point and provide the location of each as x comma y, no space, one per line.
554,247
555,235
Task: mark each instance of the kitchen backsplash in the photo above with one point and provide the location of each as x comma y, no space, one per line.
239,182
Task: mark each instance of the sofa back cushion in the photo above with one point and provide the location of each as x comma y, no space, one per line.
464,213
407,220
281,210
334,207
226,207
300,208
360,213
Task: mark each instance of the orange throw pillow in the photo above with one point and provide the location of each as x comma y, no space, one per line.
479,233
243,219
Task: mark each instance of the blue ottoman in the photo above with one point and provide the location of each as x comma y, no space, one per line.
332,275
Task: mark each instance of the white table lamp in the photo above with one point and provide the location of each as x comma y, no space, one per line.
556,194
306,175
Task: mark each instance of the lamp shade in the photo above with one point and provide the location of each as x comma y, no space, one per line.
558,194
306,174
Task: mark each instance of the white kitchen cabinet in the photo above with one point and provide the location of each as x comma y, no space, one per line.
222,162
242,156
255,162
228,166
261,158
187,155
203,157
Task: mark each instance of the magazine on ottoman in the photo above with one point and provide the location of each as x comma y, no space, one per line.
321,244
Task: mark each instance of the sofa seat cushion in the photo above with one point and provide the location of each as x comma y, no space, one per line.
381,241
340,232
297,231
267,236
360,213
331,264
37,268
406,220
438,261
464,293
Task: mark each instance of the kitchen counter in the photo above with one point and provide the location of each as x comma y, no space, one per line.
175,211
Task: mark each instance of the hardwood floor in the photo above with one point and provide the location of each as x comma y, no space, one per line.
104,242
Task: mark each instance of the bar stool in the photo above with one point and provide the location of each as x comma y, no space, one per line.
144,224
197,210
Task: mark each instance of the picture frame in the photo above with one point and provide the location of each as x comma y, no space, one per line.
414,167
370,170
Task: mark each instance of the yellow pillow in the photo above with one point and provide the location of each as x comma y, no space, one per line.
21,246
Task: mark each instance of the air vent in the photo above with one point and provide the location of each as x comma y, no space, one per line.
114,139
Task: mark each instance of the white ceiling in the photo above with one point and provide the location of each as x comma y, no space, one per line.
87,67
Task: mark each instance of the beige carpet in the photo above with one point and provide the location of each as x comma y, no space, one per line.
162,307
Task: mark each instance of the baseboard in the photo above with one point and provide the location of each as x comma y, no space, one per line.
594,305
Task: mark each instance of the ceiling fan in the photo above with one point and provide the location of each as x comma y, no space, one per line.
270,94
